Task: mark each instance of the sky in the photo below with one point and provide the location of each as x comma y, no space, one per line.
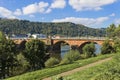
91,13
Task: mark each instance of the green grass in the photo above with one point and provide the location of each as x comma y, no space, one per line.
106,71
40,74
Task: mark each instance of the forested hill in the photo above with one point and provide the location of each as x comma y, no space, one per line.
66,28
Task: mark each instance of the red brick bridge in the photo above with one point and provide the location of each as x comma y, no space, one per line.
74,43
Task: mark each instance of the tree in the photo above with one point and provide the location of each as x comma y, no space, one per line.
116,45
35,53
106,47
117,32
111,31
89,50
7,54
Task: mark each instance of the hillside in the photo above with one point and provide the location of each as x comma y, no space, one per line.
65,29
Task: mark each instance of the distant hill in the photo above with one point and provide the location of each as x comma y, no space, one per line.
15,26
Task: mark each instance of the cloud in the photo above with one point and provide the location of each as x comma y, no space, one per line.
18,12
34,8
58,4
82,5
112,15
85,21
6,13
43,7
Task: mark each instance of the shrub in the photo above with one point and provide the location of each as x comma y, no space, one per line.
71,56
51,62
89,50
106,48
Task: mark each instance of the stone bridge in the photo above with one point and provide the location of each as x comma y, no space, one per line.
55,43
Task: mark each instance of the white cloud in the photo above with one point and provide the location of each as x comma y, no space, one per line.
85,21
112,15
6,13
34,8
58,4
18,12
81,5
42,6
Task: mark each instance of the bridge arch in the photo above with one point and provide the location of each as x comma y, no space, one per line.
80,47
57,46
21,45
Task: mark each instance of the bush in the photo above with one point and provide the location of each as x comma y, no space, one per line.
71,56
51,62
89,50
107,48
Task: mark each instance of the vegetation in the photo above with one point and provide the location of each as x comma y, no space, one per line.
89,50
15,26
107,47
13,62
70,56
51,62
106,71
7,55
40,74
33,57
35,53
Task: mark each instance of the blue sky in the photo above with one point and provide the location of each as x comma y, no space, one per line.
92,13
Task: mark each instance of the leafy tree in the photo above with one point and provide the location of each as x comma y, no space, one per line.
7,54
117,32
116,45
22,65
89,50
111,31
106,47
35,53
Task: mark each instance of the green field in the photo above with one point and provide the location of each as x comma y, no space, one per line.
40,74
106,71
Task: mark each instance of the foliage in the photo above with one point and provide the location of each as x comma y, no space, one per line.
15,26
107,47
111,31
71,56
7,55
40,74
116,45
89,50
51,62
35,53
2,37
22,65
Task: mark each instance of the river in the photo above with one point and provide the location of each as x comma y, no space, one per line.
66,48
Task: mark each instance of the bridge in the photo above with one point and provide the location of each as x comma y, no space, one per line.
55,43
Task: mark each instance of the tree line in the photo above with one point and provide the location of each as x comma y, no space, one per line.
48,28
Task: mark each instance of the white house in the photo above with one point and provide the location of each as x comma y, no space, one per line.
35,36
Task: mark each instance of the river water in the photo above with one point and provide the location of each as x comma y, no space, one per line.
66,48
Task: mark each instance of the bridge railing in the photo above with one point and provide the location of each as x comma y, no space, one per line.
88,38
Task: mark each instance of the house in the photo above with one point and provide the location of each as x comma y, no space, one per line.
35,36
